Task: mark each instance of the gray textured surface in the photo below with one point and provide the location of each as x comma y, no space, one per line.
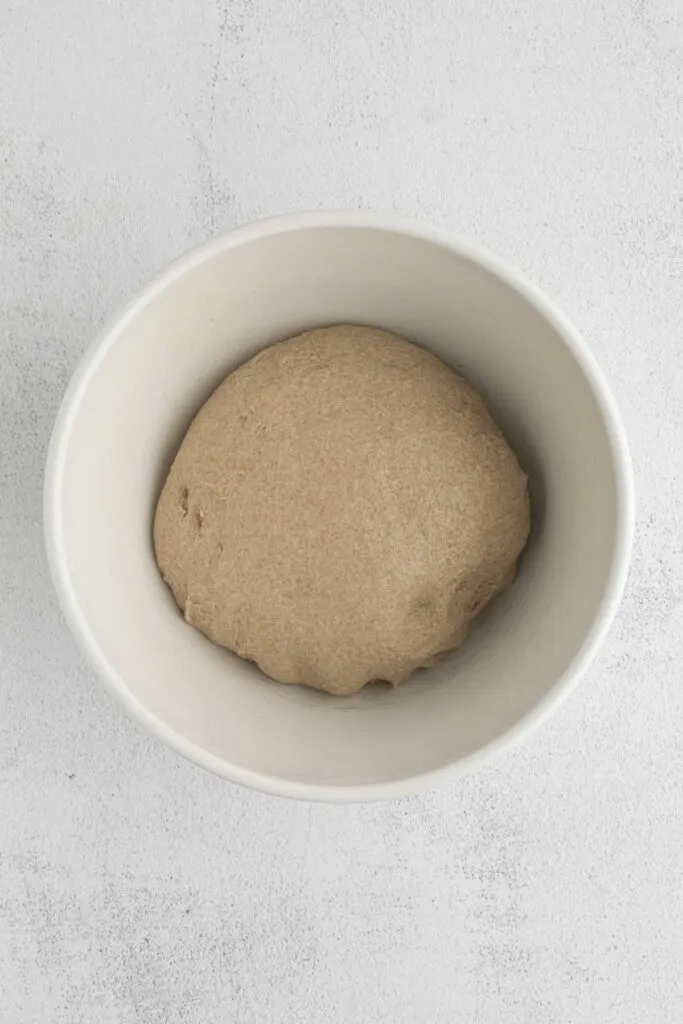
133,887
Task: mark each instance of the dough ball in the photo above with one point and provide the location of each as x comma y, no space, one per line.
340,509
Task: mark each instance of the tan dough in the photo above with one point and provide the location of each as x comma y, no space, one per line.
340,509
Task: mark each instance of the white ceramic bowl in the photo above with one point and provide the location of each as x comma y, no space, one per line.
128,407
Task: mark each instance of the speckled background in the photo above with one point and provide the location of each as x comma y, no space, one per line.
134,887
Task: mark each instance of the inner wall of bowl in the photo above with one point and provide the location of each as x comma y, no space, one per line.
164,361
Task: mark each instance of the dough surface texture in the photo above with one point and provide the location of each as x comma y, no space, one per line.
340,509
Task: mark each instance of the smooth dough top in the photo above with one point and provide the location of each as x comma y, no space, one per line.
340,509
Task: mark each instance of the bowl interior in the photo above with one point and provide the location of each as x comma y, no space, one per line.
131,405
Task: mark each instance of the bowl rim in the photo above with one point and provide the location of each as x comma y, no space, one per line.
108,336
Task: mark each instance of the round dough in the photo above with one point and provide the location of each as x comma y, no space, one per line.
340,509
